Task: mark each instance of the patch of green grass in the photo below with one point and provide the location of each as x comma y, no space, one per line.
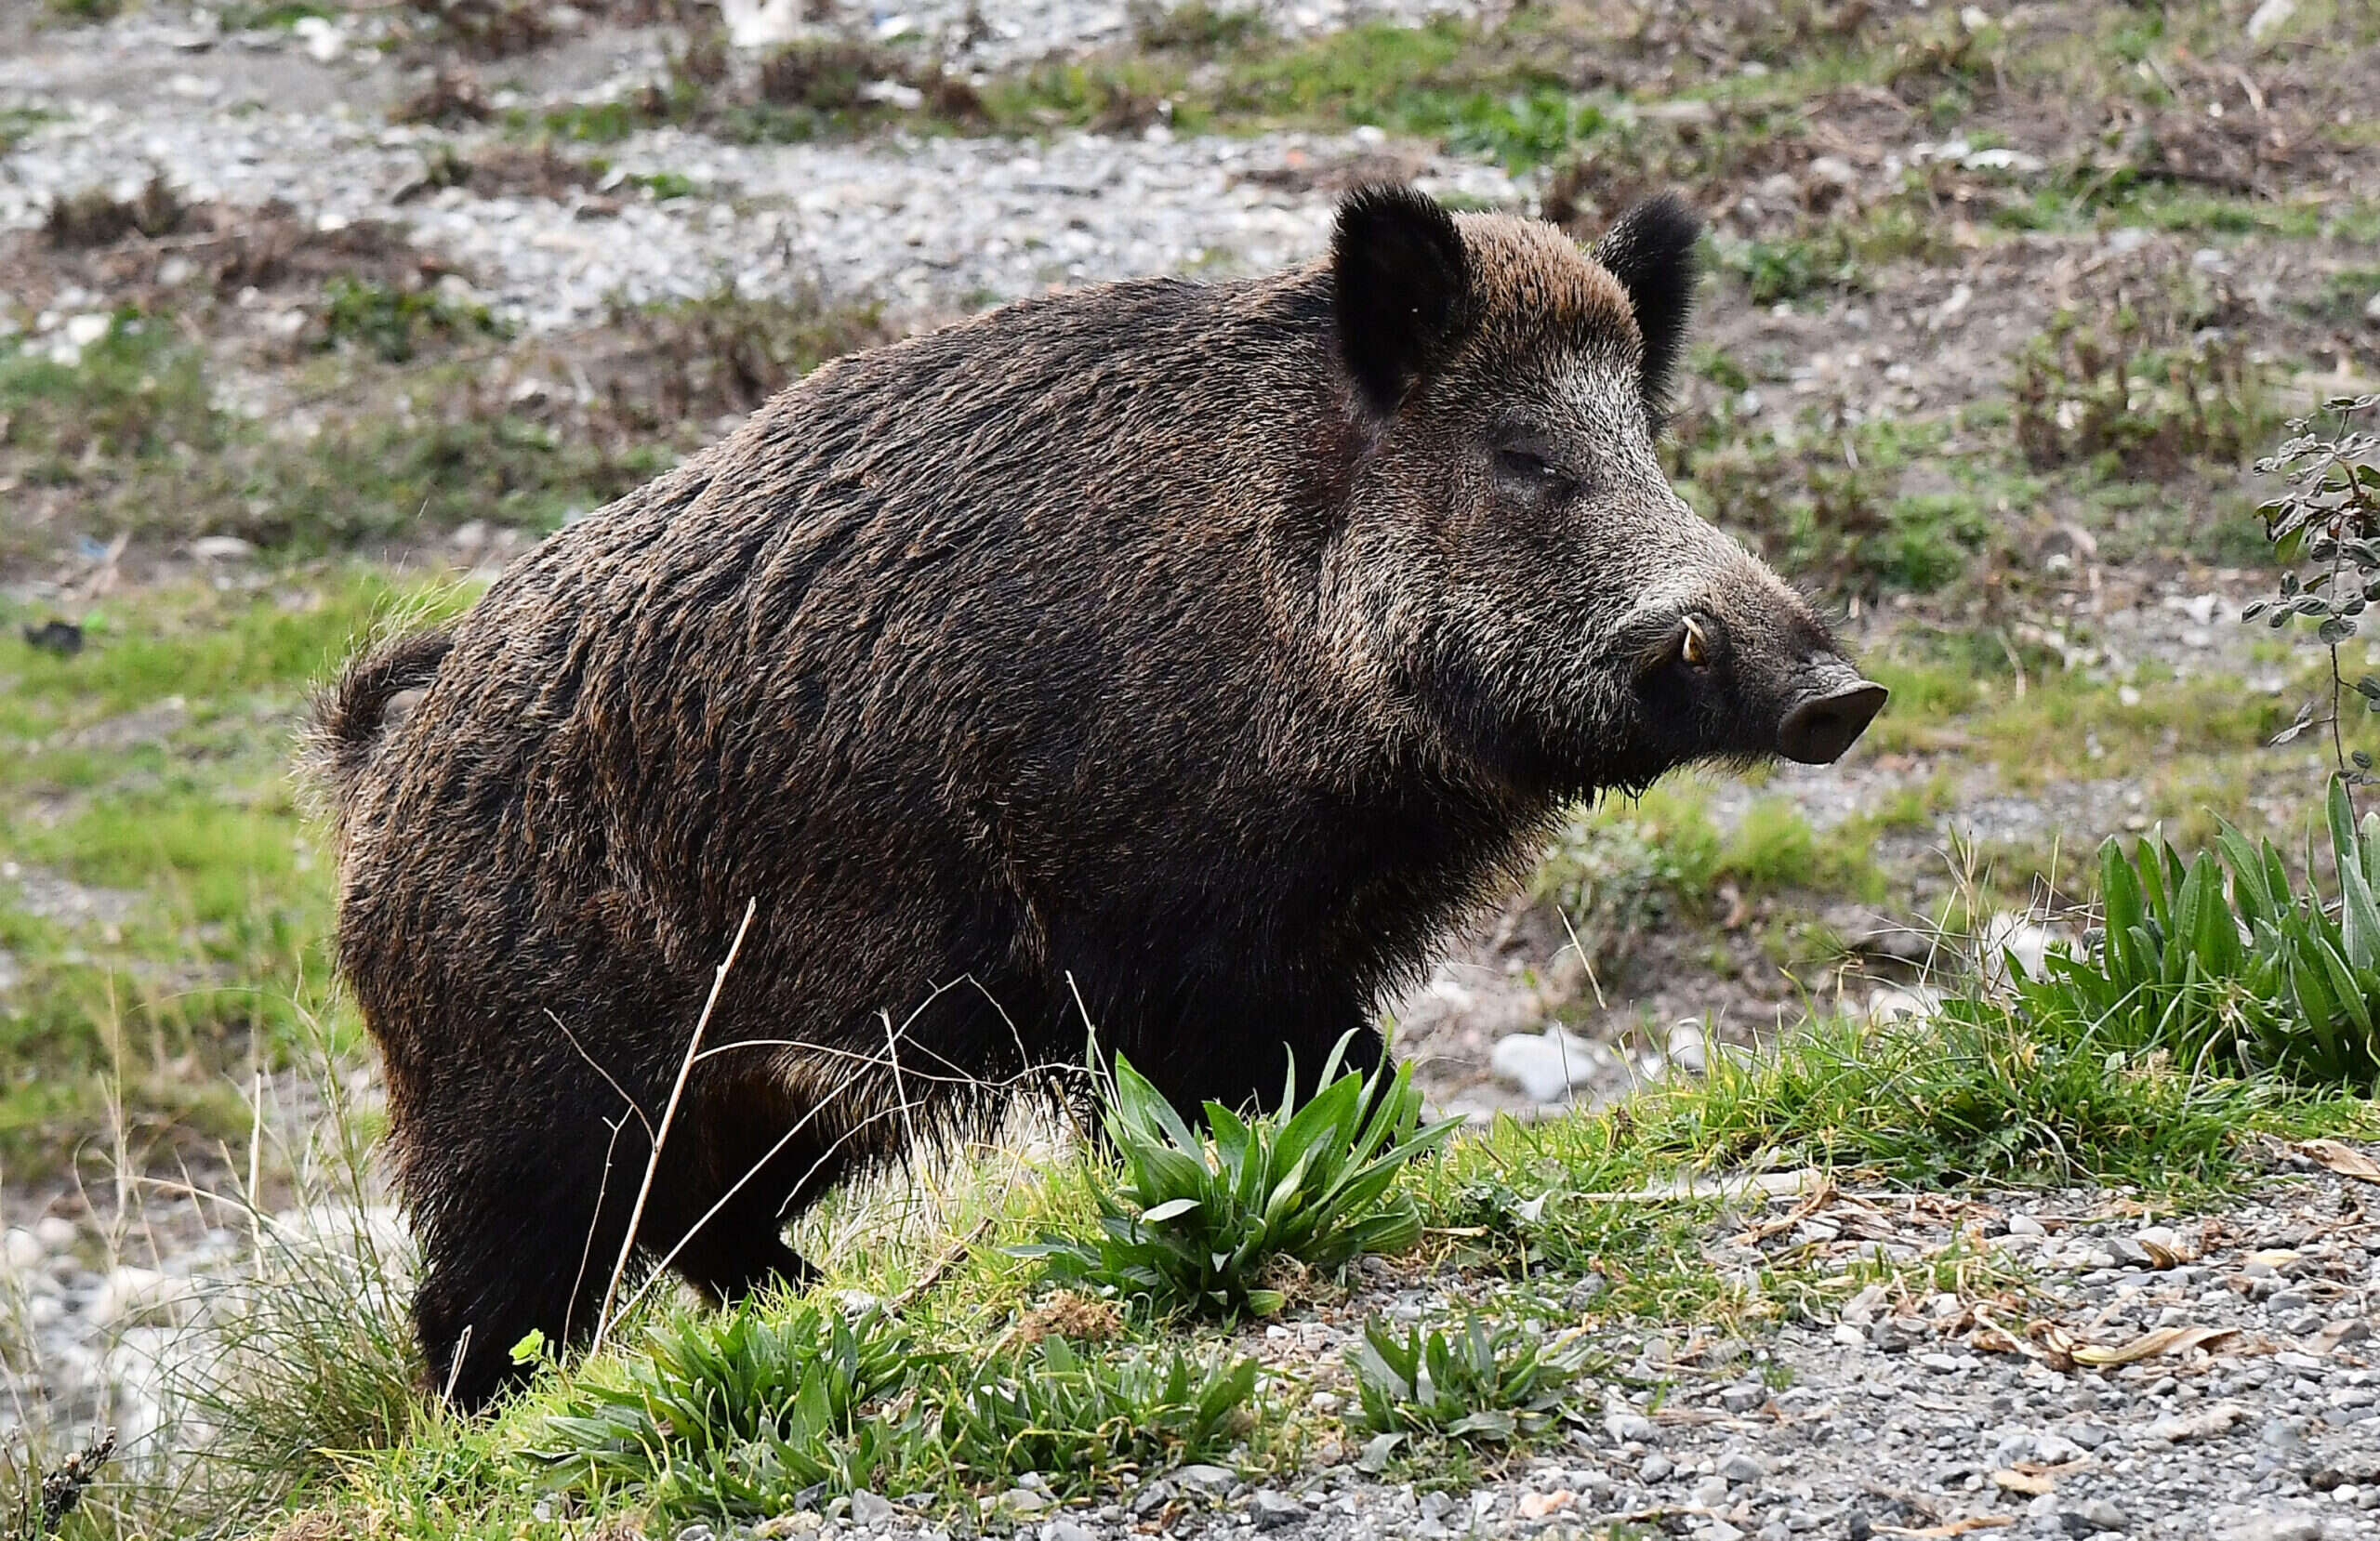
274,15
133,429
136,393
158,782
18,121
1791,268
1829,502
395,324
1980,1093
734,1416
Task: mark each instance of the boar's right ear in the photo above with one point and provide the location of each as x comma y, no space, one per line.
1401,287
1650,250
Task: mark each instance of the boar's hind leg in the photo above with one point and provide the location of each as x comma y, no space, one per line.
739,1183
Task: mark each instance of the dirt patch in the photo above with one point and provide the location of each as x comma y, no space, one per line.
207,249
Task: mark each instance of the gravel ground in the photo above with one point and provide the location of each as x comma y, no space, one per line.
2251,1412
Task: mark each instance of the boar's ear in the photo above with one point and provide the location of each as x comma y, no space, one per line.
1401,289
1650,250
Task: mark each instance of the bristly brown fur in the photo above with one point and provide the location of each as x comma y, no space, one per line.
1157,655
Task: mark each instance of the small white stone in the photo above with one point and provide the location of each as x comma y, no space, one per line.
2269,17
22,1249
1544,1066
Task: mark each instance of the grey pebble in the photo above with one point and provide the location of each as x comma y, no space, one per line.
1272,1509
2091,1516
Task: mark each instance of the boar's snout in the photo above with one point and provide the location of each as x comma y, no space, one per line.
1828,718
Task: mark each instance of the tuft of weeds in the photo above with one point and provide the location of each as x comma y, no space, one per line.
96,216
304,1357
1794,266
395,324
745,1415
1196,27
1081,1421
2090,391
734,1413
1198,1224
1495,1383
1825,496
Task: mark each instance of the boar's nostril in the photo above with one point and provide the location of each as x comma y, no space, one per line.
1817,731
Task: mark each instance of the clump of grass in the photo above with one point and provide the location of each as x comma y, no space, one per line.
96,218
1196,27
732,1414
2093,392
1080,1420
1494,1383
1984,1090
1198,1224
743,1415
304,1356
394,324
1793,266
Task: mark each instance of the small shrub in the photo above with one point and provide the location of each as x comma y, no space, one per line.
1496,1384
1199,1223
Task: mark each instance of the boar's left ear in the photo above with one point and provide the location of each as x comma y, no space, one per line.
1650,250
1401,289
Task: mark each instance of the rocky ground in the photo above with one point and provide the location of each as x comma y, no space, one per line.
1923,1414
2079,1371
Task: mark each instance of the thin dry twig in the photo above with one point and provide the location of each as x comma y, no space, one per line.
669,1115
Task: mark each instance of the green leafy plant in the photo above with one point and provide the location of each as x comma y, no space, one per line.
741,1415
1197,1220
2096,391
1480,1382
736,1413
1080,1421
397,323
2328,518
2248,976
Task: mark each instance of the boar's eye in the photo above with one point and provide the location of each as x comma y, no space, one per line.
1528,471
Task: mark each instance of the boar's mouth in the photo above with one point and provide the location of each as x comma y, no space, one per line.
1820,727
